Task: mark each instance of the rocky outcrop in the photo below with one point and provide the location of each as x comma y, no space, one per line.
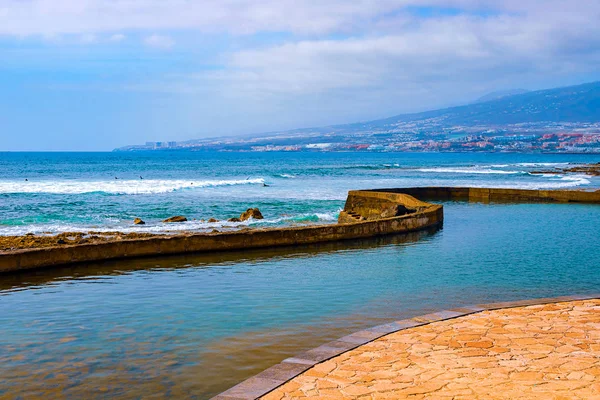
234,220
177,218
588,169
253,213
212,220
138,221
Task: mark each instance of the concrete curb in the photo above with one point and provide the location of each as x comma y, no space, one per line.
277,375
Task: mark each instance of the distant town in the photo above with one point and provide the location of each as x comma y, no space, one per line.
560,120
566,138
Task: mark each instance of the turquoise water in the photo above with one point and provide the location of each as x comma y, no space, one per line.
57,192
192,326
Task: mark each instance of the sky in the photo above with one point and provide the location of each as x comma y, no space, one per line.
92,75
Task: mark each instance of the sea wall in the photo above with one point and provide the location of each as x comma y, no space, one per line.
367,213
375,205
487,195
427,216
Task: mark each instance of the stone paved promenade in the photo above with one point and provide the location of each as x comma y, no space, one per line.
547,351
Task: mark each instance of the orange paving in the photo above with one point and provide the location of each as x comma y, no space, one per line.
547,351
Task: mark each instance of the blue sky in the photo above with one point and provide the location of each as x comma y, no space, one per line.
97,74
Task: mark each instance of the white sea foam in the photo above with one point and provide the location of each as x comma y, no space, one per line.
469,170
287,176
158,227
542,164
117,186
578,179
555,182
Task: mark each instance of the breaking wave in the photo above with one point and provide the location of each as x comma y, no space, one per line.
125,226
117,186
469,170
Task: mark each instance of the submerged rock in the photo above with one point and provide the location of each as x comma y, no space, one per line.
234,220
177,218
138,221
251,213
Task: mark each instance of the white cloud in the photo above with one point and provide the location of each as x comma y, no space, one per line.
159,42
117,37
18,17
367,54
445,51
238,16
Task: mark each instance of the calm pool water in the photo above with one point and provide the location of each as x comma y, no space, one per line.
193,326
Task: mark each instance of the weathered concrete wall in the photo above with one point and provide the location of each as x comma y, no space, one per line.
428,216
373,205
498,195
366,203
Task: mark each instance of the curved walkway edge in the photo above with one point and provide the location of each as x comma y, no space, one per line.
274,377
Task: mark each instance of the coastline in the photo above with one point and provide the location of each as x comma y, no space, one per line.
427,216
367,213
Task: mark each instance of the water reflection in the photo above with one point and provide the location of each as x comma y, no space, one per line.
191,326
99,271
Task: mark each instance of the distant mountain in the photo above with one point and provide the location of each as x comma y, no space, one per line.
565,109
500,94
579,103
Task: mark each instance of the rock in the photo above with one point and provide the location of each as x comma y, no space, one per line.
138,221
234,220
61,241
177,218
213,220
251,213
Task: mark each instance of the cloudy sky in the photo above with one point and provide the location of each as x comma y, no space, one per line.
97,74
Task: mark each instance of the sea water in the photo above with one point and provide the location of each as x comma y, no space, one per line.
57,192
193,325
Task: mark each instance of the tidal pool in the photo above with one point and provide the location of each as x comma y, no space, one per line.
195,325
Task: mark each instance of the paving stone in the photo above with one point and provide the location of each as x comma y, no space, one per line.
548,348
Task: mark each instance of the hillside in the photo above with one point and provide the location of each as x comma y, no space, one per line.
568,104
559,110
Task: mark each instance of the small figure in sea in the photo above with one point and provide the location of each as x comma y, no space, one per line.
141,177
26,180
265,185
116,177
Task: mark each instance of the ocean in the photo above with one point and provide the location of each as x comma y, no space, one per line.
45,193
191,326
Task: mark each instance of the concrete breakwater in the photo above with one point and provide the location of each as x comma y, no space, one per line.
367,213
498,195
376,215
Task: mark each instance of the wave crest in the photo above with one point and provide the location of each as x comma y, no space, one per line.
146,186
